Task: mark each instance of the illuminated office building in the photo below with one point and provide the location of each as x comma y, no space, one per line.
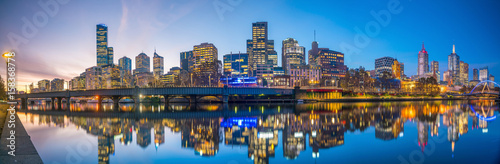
142,63
44,85
259,47
331,63
475,74
464,73
236,65
423,62
383,64
454,67
93,78
205,67
57,85
273,58
292,54
125,65
185,56
483,73
104,53
435,70
78,82
396,69
157,65
300,73
111,76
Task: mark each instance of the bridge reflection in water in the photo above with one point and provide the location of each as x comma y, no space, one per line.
257,127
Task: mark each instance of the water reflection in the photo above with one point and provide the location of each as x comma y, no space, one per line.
318,126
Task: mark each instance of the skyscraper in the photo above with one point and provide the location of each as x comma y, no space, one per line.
93,78
435,70
331,63
110,55
185,56
236,65
383,64
157,65
423,62
142,63
102,44
454,67
205,65
125,64
313,53
475,74
292,54
484,73
464,73
259,47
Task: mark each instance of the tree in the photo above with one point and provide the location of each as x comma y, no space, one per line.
3,90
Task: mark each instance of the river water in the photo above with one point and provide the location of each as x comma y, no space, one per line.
387,132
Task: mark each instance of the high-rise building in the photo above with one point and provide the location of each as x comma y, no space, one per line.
57,85
110,55
423,62
483,73
104,53
454,67
331,63
292,54
111,77
142,63
383,64
259,47
464,73
78,82
475,74
435,70
273,58
185,56
236,65
93,78
491,78
44,85
205,65
447,77
396,69
157,65
402,67
125,65
313,54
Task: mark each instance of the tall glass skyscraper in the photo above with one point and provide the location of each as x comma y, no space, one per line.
423,62
142,63
102,44
157,65
475,74
454,67
464,73
185,56
125,64
259,47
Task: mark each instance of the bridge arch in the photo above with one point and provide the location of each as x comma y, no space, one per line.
485,81
481,117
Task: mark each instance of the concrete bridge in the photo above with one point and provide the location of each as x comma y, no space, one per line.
190,93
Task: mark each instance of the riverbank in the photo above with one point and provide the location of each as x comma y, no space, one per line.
25,151
384,99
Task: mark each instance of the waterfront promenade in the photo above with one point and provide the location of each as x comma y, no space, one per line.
25,151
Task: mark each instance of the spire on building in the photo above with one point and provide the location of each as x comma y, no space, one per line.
453,48
423,47
314,35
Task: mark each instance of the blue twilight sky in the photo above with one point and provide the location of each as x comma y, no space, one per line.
62,43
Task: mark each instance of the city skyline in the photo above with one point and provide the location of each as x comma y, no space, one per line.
67,68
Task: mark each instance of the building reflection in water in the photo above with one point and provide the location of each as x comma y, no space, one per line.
256,127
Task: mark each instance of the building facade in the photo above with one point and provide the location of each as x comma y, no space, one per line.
454,67
259,47
104,53
396,69
205,64
93,78
44,85
464,73
423,62
185,57
57,85
292,54
435,70
157,65
111,77
142,63
331,64
303,75
383,64
236,65
475,74
484,73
